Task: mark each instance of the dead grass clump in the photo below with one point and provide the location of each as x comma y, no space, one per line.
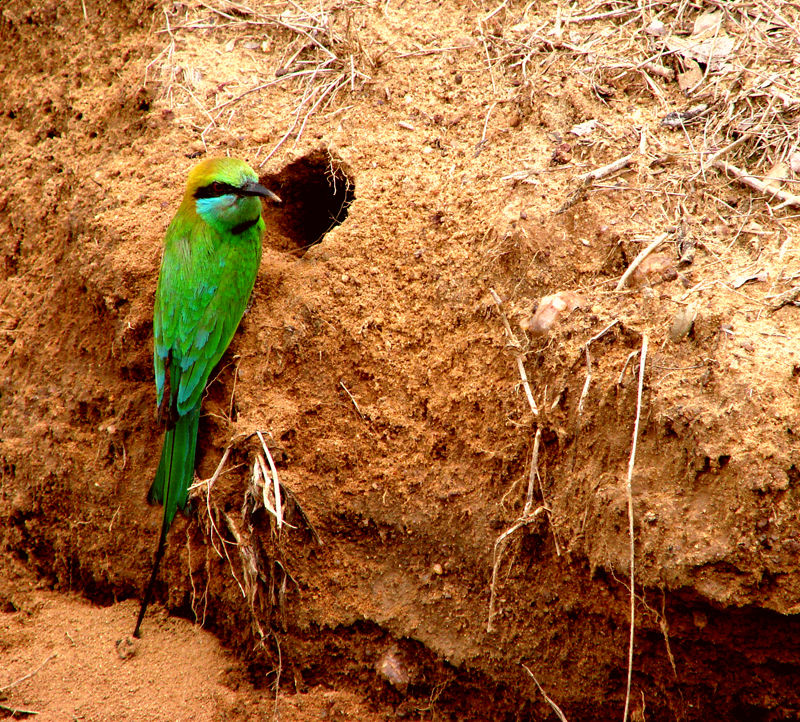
320,55
734,63
256,536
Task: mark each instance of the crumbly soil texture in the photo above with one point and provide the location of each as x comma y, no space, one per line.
451,340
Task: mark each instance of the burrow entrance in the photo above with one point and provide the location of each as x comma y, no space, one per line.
316,191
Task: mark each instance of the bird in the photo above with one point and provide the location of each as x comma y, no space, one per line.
212,251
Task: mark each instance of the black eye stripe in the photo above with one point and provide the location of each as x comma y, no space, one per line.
216,189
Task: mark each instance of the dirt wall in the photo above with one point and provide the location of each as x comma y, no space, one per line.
438,148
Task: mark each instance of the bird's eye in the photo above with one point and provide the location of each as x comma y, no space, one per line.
215,189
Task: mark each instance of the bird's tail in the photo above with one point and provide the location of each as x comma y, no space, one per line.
176,468
171,486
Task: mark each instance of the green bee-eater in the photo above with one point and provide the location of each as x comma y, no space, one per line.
211,254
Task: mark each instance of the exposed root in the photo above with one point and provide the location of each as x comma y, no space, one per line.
529,515
549,701
515,344
585,390
629,490
497,554
263,577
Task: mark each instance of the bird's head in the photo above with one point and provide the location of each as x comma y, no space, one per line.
226,193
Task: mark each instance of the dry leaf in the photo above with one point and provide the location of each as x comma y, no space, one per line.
708,23
585,128
657,28
682,323
755,228
710,51
776,175
691,78
739,281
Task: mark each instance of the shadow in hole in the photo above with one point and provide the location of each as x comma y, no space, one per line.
316,192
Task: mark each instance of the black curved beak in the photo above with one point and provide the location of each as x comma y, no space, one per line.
256,189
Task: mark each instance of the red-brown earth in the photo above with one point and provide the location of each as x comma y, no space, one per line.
377,365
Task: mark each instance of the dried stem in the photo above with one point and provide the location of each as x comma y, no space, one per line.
788,199
26,676
638,260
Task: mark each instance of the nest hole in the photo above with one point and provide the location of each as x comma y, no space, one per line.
316,191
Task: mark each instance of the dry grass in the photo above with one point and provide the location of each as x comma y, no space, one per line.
321,57
734,63
718,150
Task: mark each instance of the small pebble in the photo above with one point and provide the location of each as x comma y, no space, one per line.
682,324
126,647
392,669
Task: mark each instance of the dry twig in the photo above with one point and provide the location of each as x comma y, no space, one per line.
638,260
27,676
786,198
587,179
784,299
606,170
16,711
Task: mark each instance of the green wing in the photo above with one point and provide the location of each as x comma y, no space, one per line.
205,283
